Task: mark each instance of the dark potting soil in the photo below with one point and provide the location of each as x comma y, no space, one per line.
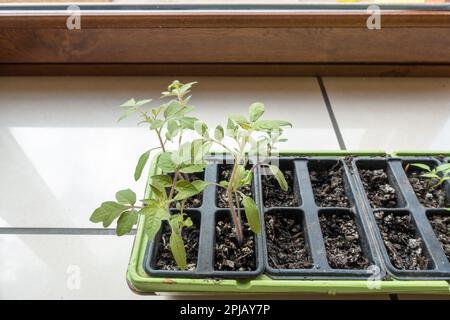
328,187
380,193
286,246
274,196
229,254
195,201
404,247
164,257
428,196
222,196
342,243
441,227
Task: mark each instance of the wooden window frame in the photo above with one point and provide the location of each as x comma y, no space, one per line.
331,41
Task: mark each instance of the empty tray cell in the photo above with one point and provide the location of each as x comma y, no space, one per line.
273,195
427,191
230,255
404,245
327,180
224,172
379,189
286,241
163,259
441,226
197,200
342,240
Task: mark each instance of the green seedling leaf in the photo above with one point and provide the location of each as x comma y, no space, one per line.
219,133
201,128
256,110
165,162
188,122
443,167
200,185
267,125
178,250
171,108
126,222
141,164
193,168
185,190
153,220
108,212
129,103
421,166
156,124
158,192
252,213
142,102
126,196
161,180
430,175
223,184
278,174
188,223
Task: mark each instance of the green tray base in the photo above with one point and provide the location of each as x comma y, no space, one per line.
141,283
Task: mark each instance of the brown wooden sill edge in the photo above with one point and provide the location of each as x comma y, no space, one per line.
307,19
223,69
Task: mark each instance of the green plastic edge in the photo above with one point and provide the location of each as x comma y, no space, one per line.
410,153
141,283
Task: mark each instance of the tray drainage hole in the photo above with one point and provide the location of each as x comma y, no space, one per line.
243,284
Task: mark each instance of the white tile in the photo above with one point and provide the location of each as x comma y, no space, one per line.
64,267
392,113
63,152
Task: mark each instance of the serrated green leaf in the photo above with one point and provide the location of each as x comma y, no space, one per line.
219,133
278,174
126,222
126,196
153,220
107,212
171,108
193,168
252,213
161,180
421,166
267,125
178,250
188,222
201,128
256,110
185,190
188,122
166,163
200,185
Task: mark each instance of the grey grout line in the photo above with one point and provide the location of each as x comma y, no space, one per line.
60,231
334,122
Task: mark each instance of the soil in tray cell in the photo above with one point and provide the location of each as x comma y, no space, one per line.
428,195
404,246
342,242
441,227
286,244
380,193
164,257
273,195
328,187
195,201
222,196
229,254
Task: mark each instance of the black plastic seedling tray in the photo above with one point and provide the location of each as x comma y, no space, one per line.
207,216
438,267
307,214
